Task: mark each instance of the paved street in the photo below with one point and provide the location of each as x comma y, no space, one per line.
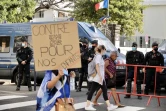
10,100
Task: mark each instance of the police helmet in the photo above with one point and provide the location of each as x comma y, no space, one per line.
154,44
94,42
134,44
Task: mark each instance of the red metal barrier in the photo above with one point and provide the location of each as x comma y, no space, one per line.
134,92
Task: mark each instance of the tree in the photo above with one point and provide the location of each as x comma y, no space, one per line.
22,10
127,13
58,5
16,10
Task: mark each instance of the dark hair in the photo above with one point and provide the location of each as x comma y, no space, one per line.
134,44
94,42
100,48
24,39
154,44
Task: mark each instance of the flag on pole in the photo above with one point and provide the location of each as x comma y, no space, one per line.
100,5
104,19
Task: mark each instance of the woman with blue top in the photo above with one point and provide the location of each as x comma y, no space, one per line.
55,90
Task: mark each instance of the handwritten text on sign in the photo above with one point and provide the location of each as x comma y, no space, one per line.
56,46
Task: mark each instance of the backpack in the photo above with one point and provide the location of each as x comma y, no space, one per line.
92,67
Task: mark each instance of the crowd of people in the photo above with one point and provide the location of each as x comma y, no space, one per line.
55,87
55,90
105,72
152,58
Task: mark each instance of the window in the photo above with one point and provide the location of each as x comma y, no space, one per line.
149,42
140,42
17,42
41,14
4,44
60,14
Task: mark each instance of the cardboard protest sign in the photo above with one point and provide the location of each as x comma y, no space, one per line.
56,46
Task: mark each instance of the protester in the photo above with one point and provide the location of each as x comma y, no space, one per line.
136,58
91,54
110,75
153,58
99,80
24,57
54,90
84,63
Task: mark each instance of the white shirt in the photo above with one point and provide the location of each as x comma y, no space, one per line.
99,60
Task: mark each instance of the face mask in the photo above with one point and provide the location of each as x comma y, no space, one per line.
84,46
134,48
93,47
23,44
156,49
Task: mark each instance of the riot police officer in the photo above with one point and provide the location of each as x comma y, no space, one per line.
24,56
136,58
153,58
84,62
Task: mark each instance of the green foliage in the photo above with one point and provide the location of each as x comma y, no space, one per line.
16,10
127,13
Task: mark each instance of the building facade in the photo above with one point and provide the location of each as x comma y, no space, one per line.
154,27
54,13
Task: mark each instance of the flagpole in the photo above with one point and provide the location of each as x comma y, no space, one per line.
108,9
107,19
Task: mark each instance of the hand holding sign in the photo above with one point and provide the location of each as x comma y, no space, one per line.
60,73
72,74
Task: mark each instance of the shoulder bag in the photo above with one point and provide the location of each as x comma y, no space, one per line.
64,105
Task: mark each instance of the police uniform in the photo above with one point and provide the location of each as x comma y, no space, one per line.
24,54
84,62
136,58
153,58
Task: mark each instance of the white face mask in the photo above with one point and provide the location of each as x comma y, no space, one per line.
23,44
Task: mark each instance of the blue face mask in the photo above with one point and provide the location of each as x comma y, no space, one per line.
134,48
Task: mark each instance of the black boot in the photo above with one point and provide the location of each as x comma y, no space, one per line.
17,88
29,83
19,83
30,88
139,89
78,89
127,96
75,87
128,88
